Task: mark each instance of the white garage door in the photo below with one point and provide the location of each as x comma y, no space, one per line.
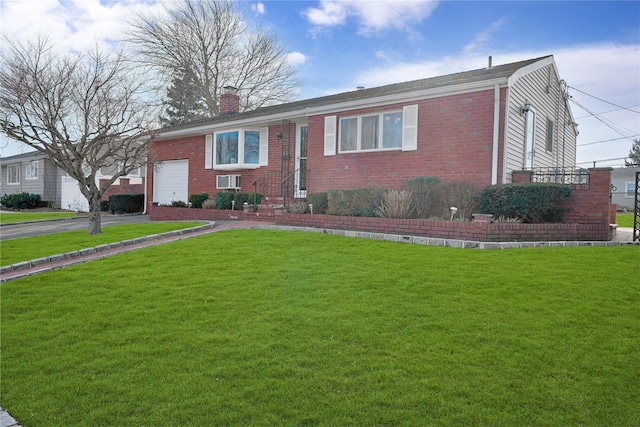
71,198
171,182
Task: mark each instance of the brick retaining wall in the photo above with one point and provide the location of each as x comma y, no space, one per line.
482,232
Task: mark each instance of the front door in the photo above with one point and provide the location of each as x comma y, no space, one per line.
302,139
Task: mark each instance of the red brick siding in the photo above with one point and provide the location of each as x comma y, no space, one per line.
123,188
455,142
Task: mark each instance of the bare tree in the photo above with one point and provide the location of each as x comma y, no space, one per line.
85,112
210,39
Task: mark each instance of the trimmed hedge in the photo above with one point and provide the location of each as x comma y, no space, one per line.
223,200
21,200
531,202
357,202
319,201
126,203
197,200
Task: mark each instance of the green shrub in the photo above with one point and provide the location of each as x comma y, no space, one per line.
531,202
357,202
319,201
126,203
223,200
197,200
21,201
421,189
178,204
258,198
240,199
104,206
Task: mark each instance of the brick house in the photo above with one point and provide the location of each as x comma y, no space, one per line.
478,126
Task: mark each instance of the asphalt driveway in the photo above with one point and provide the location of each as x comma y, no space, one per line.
29,229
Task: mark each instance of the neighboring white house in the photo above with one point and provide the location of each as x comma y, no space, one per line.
34,173
624,183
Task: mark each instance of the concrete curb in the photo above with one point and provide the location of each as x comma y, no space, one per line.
452,243
53,262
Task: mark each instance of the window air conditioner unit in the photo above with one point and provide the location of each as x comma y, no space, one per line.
228,182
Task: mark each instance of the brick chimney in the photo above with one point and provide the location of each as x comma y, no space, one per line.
229,101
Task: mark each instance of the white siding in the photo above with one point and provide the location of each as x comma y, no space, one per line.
541,89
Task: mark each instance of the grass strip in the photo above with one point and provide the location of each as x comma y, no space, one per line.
13,217
254,327
625,220
28,248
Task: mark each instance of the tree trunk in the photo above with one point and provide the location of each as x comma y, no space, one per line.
95,216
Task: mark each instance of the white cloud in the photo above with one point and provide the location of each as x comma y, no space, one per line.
608,71
479,42
371,16
258,8
296,58
73,25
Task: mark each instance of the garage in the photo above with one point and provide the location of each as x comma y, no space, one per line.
171,182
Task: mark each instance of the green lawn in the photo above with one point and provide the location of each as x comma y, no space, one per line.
28,248
625,220
12,217
251,327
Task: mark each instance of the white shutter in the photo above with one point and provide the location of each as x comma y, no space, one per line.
208,152
264,146
410,128
330,135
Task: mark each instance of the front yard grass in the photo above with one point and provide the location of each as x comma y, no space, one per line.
625,220
28,248
255,327
12,217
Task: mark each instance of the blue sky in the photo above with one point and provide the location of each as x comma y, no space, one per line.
339,45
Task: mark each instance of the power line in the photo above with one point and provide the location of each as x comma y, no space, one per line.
607,112
608,140
620,130
600,99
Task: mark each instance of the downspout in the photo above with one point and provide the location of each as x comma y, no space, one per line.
146,184
496,134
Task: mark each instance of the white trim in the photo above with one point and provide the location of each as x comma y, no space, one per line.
409,128
26,170
379,101
330,125
208,152
239,163
505,136
530,164
531,68
19,173
630,194
496,134
300,193
264,146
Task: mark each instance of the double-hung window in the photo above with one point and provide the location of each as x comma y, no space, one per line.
31,170
13,174
371,132
630,190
